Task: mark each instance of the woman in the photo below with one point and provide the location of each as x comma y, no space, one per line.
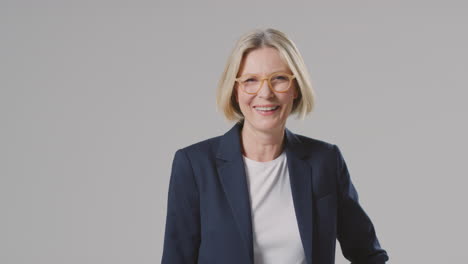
260,193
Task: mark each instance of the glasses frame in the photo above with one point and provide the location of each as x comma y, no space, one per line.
268,79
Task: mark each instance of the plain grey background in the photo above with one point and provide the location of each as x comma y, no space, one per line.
96,97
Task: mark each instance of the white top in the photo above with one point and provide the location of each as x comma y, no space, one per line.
276,237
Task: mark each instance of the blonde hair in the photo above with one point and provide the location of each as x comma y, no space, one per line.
255,39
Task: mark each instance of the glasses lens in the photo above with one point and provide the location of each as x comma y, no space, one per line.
250,83
280,82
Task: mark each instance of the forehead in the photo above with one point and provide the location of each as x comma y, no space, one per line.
264,60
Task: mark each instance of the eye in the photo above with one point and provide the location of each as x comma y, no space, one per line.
252,79
281,78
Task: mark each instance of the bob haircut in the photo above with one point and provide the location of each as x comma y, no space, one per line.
255,39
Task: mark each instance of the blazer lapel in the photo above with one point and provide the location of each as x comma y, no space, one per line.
231,171
300,178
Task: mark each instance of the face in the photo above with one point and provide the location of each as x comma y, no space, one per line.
265,61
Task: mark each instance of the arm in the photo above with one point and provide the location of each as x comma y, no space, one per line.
355,231
182,234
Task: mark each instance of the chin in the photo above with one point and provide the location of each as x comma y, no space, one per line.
267,125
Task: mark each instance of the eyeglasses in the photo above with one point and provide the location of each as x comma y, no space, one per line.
279,82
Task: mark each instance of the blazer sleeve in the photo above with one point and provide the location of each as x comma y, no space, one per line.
182,231
355,231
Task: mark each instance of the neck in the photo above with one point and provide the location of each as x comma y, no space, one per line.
262,145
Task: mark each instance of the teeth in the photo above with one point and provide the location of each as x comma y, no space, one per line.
266,108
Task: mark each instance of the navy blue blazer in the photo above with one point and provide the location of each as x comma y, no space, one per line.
209,215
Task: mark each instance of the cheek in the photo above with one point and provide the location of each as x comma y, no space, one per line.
241,97
244,99
245,103
287,98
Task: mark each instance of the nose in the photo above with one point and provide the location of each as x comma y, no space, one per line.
265,91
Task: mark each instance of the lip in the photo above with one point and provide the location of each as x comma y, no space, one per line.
268,105
268,113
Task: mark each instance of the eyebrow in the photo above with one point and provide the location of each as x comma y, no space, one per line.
282,70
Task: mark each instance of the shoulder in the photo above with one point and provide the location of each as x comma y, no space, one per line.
202,149
205,145
318,152
315,145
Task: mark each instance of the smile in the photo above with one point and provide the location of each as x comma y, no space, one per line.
267,110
